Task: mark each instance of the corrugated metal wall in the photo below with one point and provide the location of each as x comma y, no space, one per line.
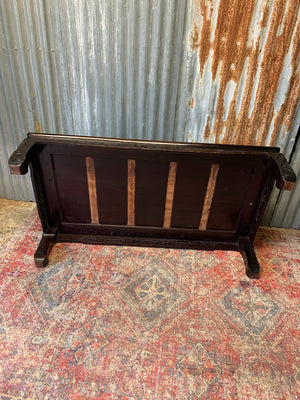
287,210
209,71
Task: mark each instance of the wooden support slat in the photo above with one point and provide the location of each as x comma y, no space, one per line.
131,193
209,196
170,194
91,179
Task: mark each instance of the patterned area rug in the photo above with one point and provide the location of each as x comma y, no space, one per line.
11,214
126,323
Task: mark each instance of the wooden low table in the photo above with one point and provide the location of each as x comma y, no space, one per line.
144,193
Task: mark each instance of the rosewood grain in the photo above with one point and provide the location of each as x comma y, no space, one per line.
143,193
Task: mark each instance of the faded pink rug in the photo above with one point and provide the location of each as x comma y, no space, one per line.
126,323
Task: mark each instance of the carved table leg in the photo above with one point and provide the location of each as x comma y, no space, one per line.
252,264
41,256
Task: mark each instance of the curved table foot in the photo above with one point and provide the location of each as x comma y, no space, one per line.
252,264
41,256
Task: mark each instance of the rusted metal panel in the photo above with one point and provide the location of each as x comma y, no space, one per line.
242,71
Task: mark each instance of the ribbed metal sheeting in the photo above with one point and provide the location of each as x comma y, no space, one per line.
241,73
287,209
101,68
203,70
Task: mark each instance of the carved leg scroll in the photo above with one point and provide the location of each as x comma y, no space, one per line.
41,256
252,264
